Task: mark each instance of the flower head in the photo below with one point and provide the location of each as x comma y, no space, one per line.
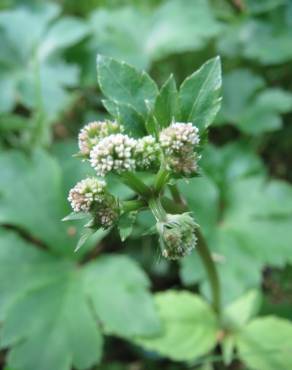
179,138
107,212
93,132
85,193
177,235
114,153
147,153
178,142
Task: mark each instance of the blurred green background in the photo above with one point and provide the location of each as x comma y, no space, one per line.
243,201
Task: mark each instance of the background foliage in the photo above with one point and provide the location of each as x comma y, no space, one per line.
94,308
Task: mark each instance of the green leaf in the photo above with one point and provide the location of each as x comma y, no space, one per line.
68,301
62,34
126,223
122,280
38,77
166,103
124,84
127,116
249,223
189,327
42,191
51,288
170,27
199,95
265,344
240,312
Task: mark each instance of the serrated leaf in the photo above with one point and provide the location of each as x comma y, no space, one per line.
43,191
265,344
121,281
124,84
249,223
128,117
199,94
52,289
68,301
166,103
189,327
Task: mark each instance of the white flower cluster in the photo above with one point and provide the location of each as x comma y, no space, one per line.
90,135
85,193
178,142
179,137
147,153
113,153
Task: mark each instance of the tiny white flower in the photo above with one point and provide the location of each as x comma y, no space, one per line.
179,137
92,132
113,153
147,153
85,193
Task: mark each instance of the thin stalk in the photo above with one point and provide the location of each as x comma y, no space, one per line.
133,205
212,273
131,180
206,258
176,195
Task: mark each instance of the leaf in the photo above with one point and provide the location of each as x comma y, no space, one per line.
252,109
169,28
42,192
68,302
38,78
240,312
126,223
124,84
189,327
75,216
52,289
63,33
199,95
249,223
265,344
166,103
121,279
127,116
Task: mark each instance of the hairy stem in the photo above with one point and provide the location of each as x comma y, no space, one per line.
206,258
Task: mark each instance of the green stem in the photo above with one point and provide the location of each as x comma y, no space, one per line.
176,195
161,179
133,205
206,258
136,184
157,209
212,273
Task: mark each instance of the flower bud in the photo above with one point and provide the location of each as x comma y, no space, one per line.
93,132
177,235
85,193
114,153
147,153
107,212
